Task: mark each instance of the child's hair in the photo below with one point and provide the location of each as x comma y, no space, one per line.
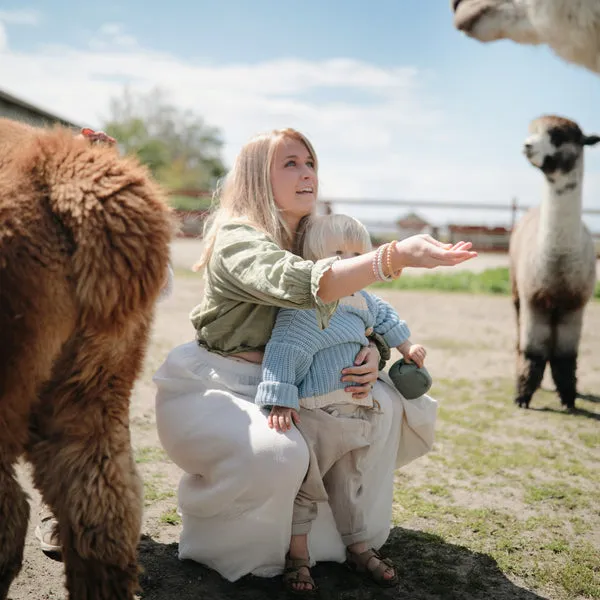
246,195
321,231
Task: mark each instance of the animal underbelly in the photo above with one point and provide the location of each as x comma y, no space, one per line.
561,297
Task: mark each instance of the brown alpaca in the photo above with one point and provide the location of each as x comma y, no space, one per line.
84,240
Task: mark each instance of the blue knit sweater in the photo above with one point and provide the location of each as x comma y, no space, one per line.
303,361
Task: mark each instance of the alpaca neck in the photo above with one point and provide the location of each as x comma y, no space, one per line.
560,212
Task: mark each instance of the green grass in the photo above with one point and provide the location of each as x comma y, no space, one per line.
490,281
170,517
150,454
505,489
153,492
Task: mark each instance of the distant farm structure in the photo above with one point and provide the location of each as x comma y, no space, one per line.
192,206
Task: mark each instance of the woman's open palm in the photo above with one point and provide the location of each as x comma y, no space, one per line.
426,252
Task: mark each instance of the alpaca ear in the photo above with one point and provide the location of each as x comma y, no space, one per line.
590,140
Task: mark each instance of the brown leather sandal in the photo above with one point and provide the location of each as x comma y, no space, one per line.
293,575
360,563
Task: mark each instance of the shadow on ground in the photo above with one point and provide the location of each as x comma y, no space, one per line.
428,567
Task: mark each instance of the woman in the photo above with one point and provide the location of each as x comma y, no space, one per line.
241,476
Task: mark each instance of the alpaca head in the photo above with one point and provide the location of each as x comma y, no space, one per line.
555,145
490,20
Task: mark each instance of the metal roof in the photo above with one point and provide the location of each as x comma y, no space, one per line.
9,98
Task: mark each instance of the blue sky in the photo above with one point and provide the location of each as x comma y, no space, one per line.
397,103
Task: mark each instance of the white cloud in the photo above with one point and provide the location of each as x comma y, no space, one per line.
3,38
377,131
110,36
26,16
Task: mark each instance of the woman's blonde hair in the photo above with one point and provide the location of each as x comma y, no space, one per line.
323,232
246,194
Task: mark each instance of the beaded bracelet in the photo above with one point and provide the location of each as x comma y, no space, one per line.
388,261
377,264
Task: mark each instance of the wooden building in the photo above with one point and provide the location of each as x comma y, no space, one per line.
12,107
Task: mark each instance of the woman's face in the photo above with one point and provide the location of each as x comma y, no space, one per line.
294,181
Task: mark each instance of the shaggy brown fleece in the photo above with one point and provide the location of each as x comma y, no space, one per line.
84,247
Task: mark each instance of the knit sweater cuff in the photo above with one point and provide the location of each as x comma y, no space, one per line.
396,335
275,393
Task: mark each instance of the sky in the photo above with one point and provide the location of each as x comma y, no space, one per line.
397,103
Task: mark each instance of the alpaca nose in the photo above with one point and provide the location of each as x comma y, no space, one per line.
455,4
527,149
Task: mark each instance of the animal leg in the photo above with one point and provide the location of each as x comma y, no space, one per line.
83,465
14,509
534,341
563,361
25,361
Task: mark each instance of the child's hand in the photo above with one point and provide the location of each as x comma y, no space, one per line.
280,418
416,353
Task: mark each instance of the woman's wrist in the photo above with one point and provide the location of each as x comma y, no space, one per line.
397,257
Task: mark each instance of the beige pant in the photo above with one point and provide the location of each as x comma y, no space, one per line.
339,438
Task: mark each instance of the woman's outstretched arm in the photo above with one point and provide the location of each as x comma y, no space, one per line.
347,276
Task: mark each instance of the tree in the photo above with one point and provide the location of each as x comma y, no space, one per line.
177,145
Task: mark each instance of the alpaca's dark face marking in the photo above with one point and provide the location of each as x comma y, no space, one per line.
554,146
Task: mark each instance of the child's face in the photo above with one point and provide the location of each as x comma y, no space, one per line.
344,249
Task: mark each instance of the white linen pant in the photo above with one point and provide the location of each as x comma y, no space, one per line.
241,477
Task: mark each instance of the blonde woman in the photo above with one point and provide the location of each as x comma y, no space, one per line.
241,477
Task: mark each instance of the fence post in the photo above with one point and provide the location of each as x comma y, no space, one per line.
513,218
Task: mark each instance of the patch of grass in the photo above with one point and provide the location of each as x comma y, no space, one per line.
516,486
150,454
590,439
490,281
557,493
170,517
153,493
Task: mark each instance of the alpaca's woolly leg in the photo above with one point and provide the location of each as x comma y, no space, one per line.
88,478
564,359
564,370
83,463
534,341
529,377
25,360
14,508
14,511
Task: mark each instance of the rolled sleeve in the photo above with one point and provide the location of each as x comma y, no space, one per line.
248,266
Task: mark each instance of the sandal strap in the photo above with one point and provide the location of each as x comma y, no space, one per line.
298,577
293,564
292,574
361,563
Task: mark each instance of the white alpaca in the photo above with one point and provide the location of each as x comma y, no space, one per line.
570,27
552,262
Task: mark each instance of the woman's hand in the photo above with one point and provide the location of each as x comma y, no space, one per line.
426,252
281,417
364,373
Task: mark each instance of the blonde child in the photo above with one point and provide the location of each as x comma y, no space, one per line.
301,383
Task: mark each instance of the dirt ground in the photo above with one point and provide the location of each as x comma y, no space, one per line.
467,337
